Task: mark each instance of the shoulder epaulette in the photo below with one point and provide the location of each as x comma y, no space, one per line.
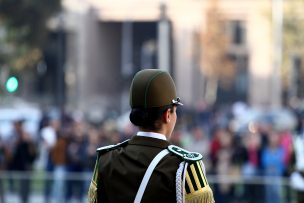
111,147
184,154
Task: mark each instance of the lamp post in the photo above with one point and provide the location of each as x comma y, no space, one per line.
276,85
60,76
127,49
163,39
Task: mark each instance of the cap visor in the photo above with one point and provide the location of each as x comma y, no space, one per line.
177,102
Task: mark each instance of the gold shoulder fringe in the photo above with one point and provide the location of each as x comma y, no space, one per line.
92,194
203,195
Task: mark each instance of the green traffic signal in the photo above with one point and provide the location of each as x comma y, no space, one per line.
12,84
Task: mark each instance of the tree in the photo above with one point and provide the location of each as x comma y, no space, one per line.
293,43
23,25
215,64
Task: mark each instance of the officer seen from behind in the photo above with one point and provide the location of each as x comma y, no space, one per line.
147,168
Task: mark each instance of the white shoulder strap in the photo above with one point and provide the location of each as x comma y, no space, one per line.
148,174
179,182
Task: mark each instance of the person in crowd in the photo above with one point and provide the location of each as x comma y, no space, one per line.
273,166
264,127
49,137
10,144
2,167
114,136
75,160
224,166
200,141
23,157
215,145
176,137
58,157
91,145
250,154
287,145
297,176
120,172
286,142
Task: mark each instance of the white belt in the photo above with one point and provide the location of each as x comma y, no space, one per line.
148,174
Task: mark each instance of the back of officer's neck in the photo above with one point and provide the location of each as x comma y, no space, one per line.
160,131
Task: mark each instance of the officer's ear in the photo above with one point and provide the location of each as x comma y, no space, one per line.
167,115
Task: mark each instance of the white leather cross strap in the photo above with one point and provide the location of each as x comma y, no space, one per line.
148,174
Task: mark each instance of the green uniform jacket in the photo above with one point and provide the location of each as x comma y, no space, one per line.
122,170
119,172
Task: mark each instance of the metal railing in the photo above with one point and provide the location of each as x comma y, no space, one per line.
37,181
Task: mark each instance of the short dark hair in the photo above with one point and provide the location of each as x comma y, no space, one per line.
149,118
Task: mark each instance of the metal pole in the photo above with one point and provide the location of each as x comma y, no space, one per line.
277,16
294,77
126,61
60,87
163,40
127,49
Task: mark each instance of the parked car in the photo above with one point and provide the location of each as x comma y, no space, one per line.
30,115
279,119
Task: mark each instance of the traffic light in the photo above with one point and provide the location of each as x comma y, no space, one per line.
12,84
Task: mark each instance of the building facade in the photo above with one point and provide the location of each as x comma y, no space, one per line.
108,41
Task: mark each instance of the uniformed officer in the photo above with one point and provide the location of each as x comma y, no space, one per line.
147,168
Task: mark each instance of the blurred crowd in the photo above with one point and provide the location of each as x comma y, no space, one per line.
64,146
261,147
68,145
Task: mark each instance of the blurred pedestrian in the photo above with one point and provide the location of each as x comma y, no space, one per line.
76,157
120,173
251,166
24,154
10,144
49,137
297,176
59,160
225,166
2,167
200,142
273,166
215,145
176,137
287,145
90,152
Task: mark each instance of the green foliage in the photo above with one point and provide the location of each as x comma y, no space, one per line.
294,27
24,22
215,64
26,19
293,36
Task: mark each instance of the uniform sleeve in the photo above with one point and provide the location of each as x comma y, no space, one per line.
92,194
197,189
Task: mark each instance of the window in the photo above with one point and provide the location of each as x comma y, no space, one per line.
236,31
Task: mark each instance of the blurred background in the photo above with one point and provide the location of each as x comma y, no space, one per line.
65,71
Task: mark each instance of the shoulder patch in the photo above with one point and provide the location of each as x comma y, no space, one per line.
111,147
184,154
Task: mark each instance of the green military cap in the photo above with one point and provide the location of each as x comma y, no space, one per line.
152,88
